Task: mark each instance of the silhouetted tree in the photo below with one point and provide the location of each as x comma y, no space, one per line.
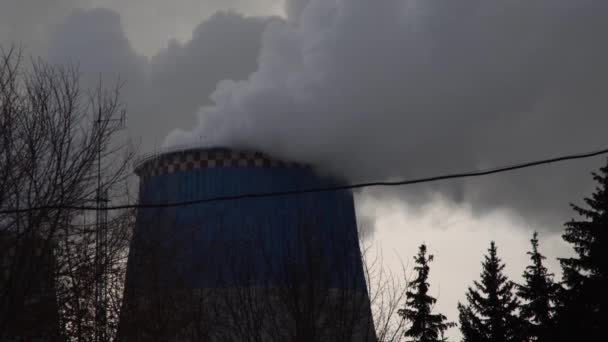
425,326
538,294
491,313
470,325
56,138
583,307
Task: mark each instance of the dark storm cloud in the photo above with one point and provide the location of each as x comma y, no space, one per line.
398,89
182,76
95,41
164,91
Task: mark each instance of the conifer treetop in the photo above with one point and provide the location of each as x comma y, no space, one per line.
425,325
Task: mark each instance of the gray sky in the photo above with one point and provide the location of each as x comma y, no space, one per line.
148,24
176,19
27,22
367,90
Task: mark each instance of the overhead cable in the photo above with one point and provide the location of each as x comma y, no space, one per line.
293,192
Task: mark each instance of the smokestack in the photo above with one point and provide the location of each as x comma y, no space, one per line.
289,266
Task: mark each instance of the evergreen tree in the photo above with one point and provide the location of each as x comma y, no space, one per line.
491,313
584,303
425,326
538,294
470,325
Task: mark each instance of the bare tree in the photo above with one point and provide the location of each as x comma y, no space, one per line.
387,293
58,150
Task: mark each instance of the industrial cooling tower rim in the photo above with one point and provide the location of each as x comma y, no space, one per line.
189,157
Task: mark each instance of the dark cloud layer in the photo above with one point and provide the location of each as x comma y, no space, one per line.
95,41
164,91
182,76
398,89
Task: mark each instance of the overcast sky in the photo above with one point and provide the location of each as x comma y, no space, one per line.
366,90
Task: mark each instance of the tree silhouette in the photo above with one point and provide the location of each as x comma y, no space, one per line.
491,313
426,326
538,294
470,325
582,312
59,148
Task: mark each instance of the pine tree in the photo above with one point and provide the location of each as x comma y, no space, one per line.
425,326
584,303
491,313
470,325
538,294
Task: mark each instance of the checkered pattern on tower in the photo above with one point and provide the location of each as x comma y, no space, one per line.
193,159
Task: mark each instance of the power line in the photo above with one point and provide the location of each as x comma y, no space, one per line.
469,174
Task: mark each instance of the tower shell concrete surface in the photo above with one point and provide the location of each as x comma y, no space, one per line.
272,268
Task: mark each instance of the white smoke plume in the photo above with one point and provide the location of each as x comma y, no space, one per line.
410,88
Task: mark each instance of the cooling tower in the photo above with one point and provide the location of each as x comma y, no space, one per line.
255,268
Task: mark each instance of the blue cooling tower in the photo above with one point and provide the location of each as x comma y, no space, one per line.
281,250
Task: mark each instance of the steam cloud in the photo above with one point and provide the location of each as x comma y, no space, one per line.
395,88
373,89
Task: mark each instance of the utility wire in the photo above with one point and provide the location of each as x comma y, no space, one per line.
469,174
